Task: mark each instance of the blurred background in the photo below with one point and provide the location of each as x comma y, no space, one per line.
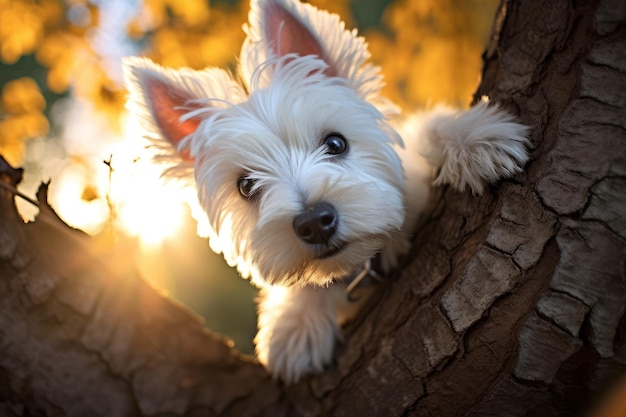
62,115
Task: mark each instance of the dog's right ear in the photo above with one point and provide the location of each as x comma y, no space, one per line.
171,103
281,27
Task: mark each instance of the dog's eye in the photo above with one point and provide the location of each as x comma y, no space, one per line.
335,144
245,186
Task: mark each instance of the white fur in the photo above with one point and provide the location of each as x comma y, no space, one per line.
267,138
473,147
271,129
302,321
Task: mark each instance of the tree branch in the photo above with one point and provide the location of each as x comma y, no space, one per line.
510,304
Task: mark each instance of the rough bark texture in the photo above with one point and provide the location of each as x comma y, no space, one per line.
511,304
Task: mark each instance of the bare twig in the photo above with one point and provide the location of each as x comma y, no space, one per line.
18,193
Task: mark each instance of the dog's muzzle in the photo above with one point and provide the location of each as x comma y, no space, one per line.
317,224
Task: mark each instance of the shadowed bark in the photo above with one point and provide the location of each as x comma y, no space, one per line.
511,304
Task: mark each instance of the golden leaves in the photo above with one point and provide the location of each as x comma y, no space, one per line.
23,25
22,108
433,52
54,31
22,96
59,52
190,34
190,13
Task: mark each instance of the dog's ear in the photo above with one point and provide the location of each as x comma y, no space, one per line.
280,27
172,103
287,28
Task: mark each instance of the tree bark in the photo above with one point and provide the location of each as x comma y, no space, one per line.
510,304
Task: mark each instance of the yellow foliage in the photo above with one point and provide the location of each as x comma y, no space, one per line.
22,96
69,59
190,13
433,53
42,28
22,117
20,29
23,24
191,35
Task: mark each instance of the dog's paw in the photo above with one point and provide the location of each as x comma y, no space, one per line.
297,332
477,147
300,348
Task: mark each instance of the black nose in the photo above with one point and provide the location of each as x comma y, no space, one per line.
317,224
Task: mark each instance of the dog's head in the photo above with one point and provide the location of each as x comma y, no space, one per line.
294,164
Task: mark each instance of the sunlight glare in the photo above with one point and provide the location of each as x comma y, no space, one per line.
150,212
144,205
84,215
148,207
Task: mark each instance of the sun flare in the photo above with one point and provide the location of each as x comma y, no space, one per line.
147,208
128,190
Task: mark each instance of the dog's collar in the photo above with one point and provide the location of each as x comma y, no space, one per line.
367,275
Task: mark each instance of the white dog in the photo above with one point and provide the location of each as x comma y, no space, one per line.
300,172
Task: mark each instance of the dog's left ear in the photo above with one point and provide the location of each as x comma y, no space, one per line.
280,27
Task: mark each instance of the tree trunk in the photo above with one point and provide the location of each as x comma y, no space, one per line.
511,304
